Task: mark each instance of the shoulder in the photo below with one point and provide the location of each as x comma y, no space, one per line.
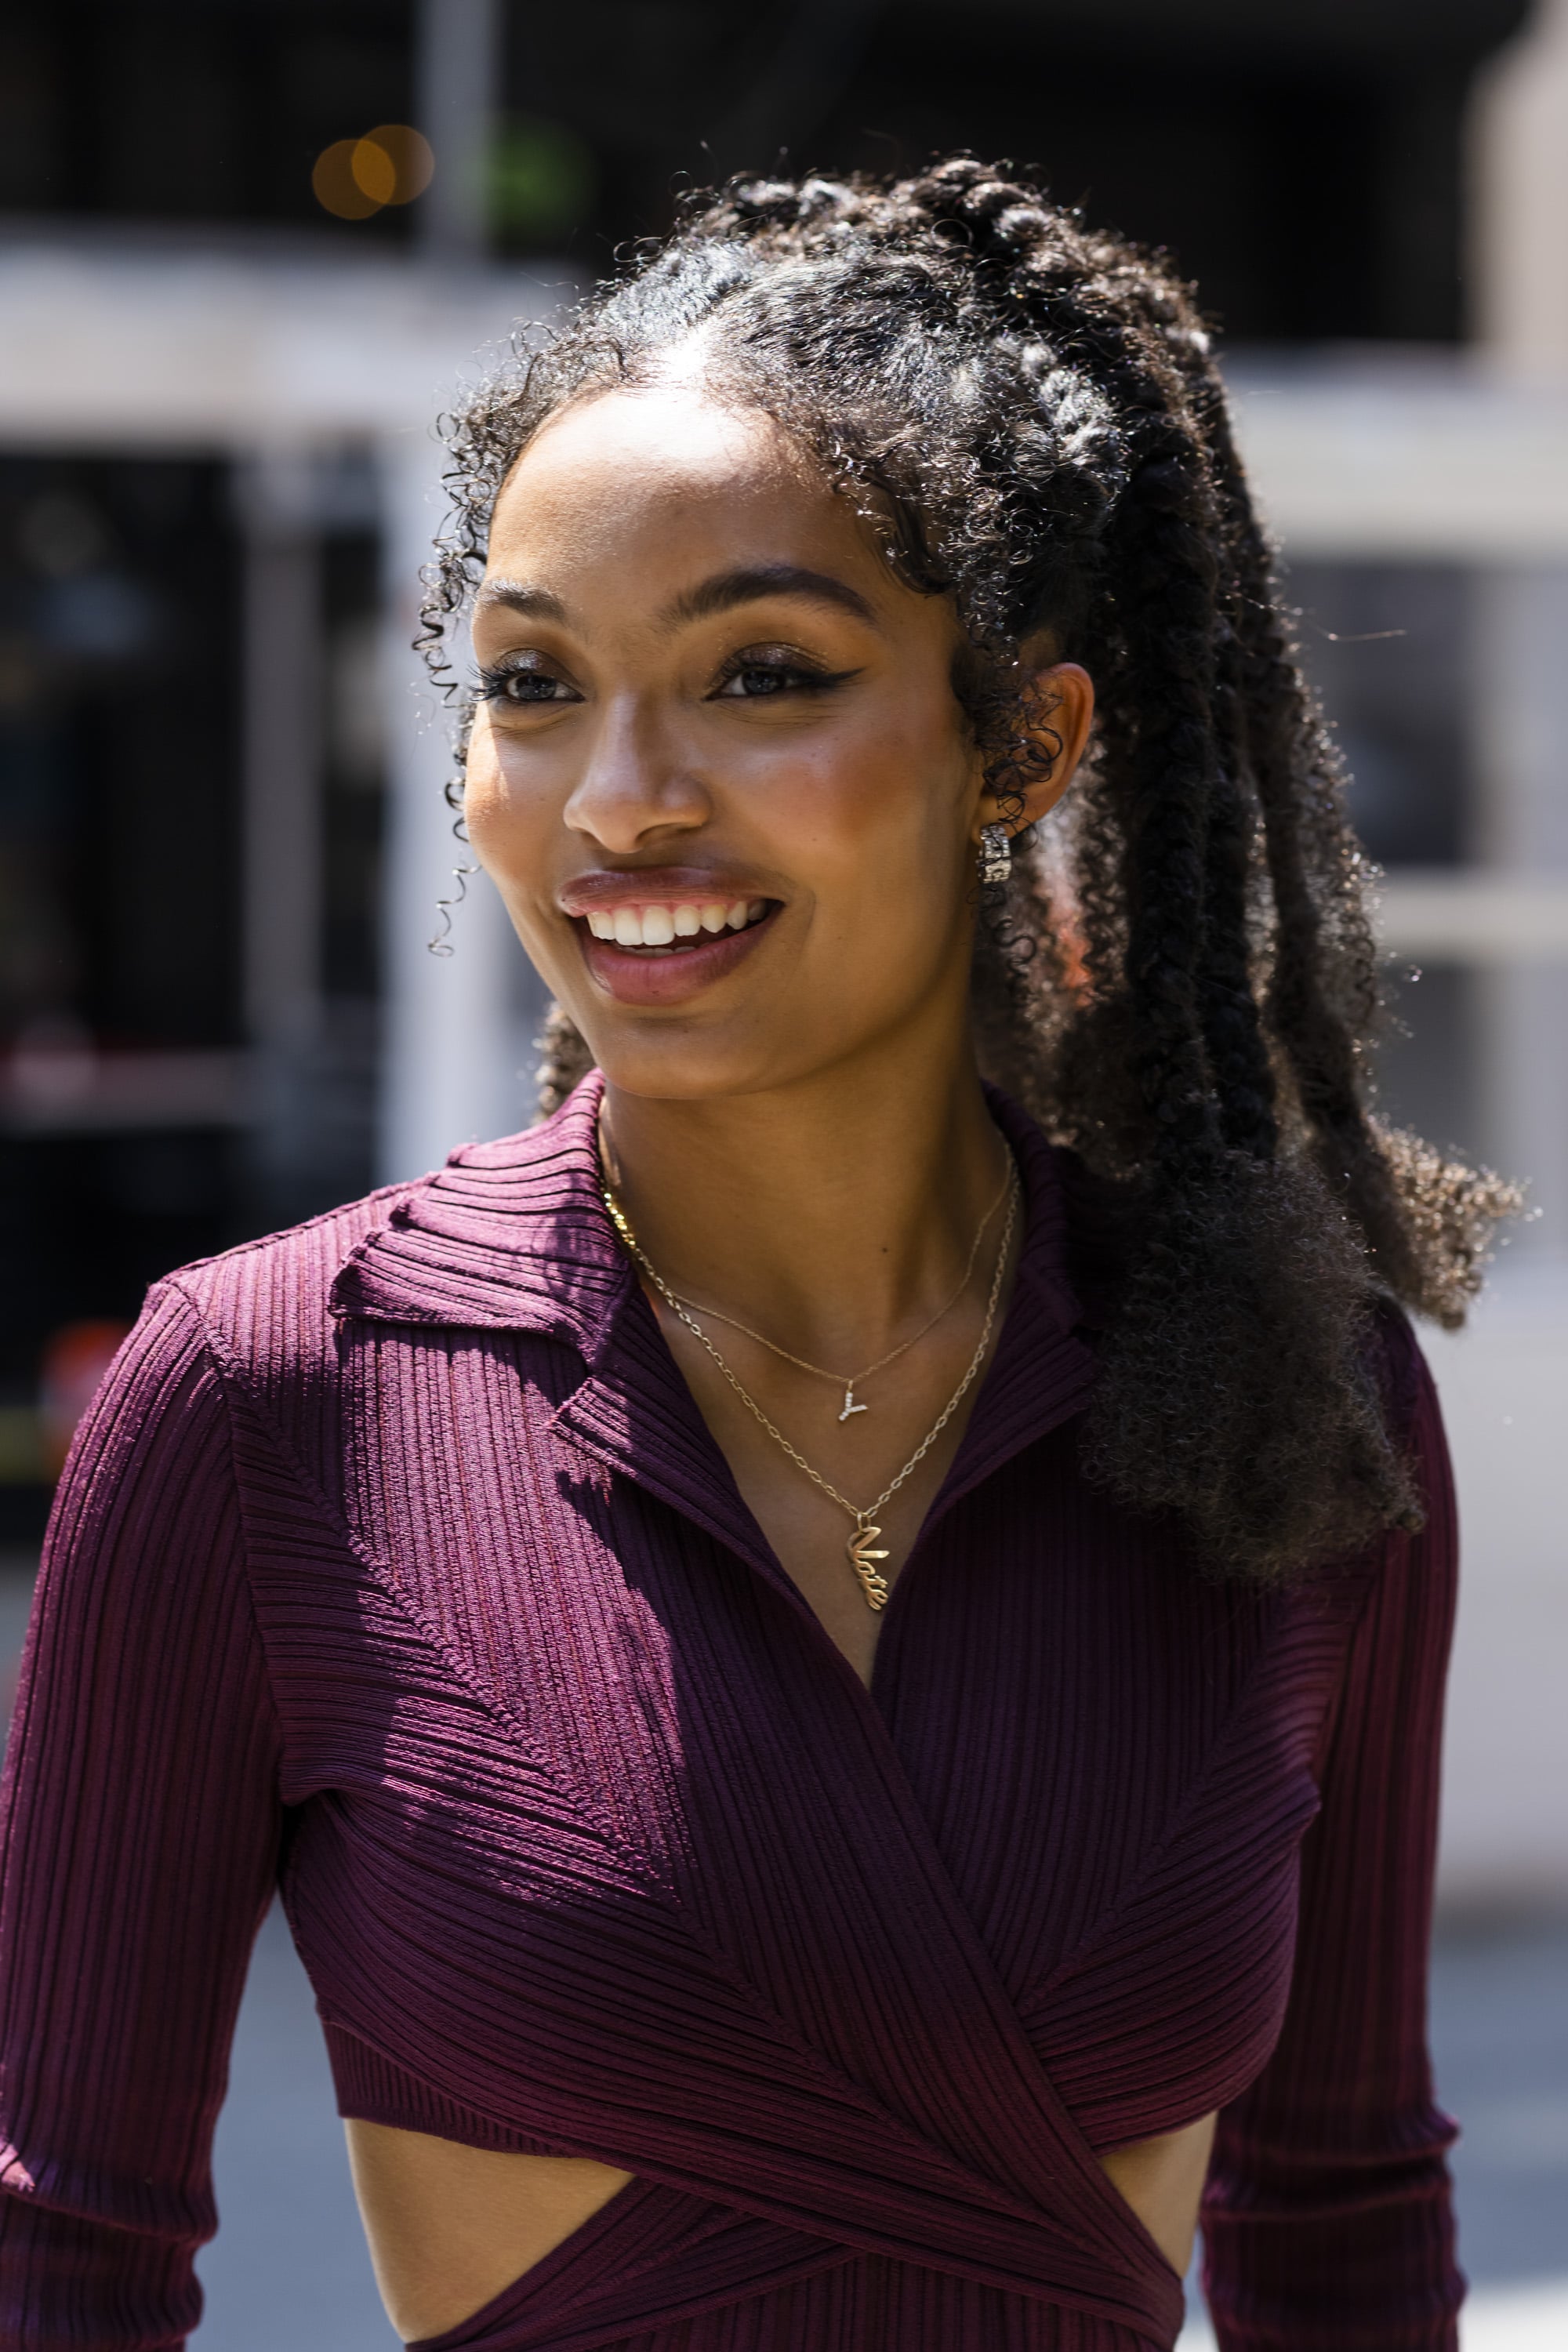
257,1311
1412,1414
271,1297
1399,1364
509,1235
1398,1597
1102,1220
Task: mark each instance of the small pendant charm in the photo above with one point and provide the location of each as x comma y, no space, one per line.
849,1404
873,1583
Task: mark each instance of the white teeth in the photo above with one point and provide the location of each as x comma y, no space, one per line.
660,927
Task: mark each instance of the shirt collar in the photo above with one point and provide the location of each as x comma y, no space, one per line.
514,1237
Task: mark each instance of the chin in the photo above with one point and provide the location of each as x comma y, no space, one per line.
752,1050
683,1067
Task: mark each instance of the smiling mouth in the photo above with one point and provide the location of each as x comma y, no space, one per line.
674,927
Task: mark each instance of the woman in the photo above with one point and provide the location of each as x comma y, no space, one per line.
840,1669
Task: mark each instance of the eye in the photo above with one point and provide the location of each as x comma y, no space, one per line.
524,687
760,678
756,675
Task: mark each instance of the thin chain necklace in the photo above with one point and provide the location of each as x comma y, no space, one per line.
862,1557
850,1382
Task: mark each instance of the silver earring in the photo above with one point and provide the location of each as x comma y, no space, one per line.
995,857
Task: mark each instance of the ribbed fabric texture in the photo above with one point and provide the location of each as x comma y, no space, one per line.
395,1564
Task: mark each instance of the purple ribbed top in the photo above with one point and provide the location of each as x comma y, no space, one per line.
396,1566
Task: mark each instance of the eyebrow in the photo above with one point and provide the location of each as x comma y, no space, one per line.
749,583
518,596
746,584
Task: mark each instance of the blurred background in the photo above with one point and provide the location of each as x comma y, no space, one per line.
249,249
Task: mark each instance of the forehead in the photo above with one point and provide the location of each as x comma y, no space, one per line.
667,475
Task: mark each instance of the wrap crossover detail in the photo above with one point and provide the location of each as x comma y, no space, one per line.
396,1568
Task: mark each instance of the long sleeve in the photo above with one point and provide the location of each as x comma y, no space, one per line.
1327,2222
139,1834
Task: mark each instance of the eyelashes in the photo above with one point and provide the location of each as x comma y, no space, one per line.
754,674
767,674
497,685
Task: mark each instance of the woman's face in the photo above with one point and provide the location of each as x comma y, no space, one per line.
719,774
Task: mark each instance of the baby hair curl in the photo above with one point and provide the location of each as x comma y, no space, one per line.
1181,980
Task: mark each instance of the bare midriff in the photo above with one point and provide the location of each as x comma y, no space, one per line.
451,2227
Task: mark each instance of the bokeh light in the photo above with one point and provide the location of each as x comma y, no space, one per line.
407,153
336,189
375,174
356,178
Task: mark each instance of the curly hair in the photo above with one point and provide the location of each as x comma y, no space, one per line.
1181,981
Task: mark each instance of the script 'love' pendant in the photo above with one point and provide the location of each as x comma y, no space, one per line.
873,1583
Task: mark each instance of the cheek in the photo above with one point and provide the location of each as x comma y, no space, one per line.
903,818
503,824
481,773
892,788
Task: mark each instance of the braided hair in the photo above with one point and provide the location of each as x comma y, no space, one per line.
1181,980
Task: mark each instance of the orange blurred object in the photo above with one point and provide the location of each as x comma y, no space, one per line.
390,165
75,1359
397,157
374,173
336,189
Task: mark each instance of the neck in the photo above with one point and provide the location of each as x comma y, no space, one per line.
833,1213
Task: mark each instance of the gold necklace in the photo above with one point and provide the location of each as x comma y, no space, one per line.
859,1548
850,1382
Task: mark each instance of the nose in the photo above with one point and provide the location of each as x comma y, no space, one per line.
635,784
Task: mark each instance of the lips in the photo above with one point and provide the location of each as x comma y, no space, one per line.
660,934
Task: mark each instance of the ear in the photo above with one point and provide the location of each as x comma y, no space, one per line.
1058,712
